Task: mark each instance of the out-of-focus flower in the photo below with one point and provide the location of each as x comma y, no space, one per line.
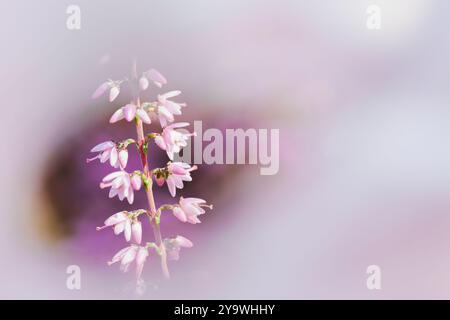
189,209
129,112
167,108
174,245
121,186
136,231
114,90
154,76
118,157
113,93
143,83
127,223
128,255
172,140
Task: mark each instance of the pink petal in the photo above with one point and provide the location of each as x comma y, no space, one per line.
144,116
171,186
119,255
118,115
123,158
127,230
118,182
116,218
113,93
114,156
165,113
189,201
184,242
177,170
143,83
179,213
129,111
136,230
157,78
136,182
177,125
103,146
113,192
118,228
162,120
193,220
129,255
178,182
141,256
170,154
113,175
130,195
105,155
182,165
173,107
160,142
193,211
121,193
171,94
100,90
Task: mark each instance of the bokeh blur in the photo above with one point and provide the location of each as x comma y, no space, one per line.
363,116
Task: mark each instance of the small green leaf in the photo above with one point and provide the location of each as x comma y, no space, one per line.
145,148
146,181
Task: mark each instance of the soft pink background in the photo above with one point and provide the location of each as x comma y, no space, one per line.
364,158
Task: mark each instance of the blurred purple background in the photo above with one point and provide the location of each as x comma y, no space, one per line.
364,160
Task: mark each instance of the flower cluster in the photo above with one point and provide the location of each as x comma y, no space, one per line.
123,184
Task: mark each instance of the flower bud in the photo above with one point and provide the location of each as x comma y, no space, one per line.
136,231
123,158
136,182
143,83
113,93
160,181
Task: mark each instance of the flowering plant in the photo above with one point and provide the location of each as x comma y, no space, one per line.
123,184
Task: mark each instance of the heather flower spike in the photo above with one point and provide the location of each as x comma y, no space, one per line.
124,184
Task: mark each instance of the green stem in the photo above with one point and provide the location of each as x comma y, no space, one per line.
150,197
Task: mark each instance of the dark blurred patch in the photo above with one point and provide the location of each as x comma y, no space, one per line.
71,186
